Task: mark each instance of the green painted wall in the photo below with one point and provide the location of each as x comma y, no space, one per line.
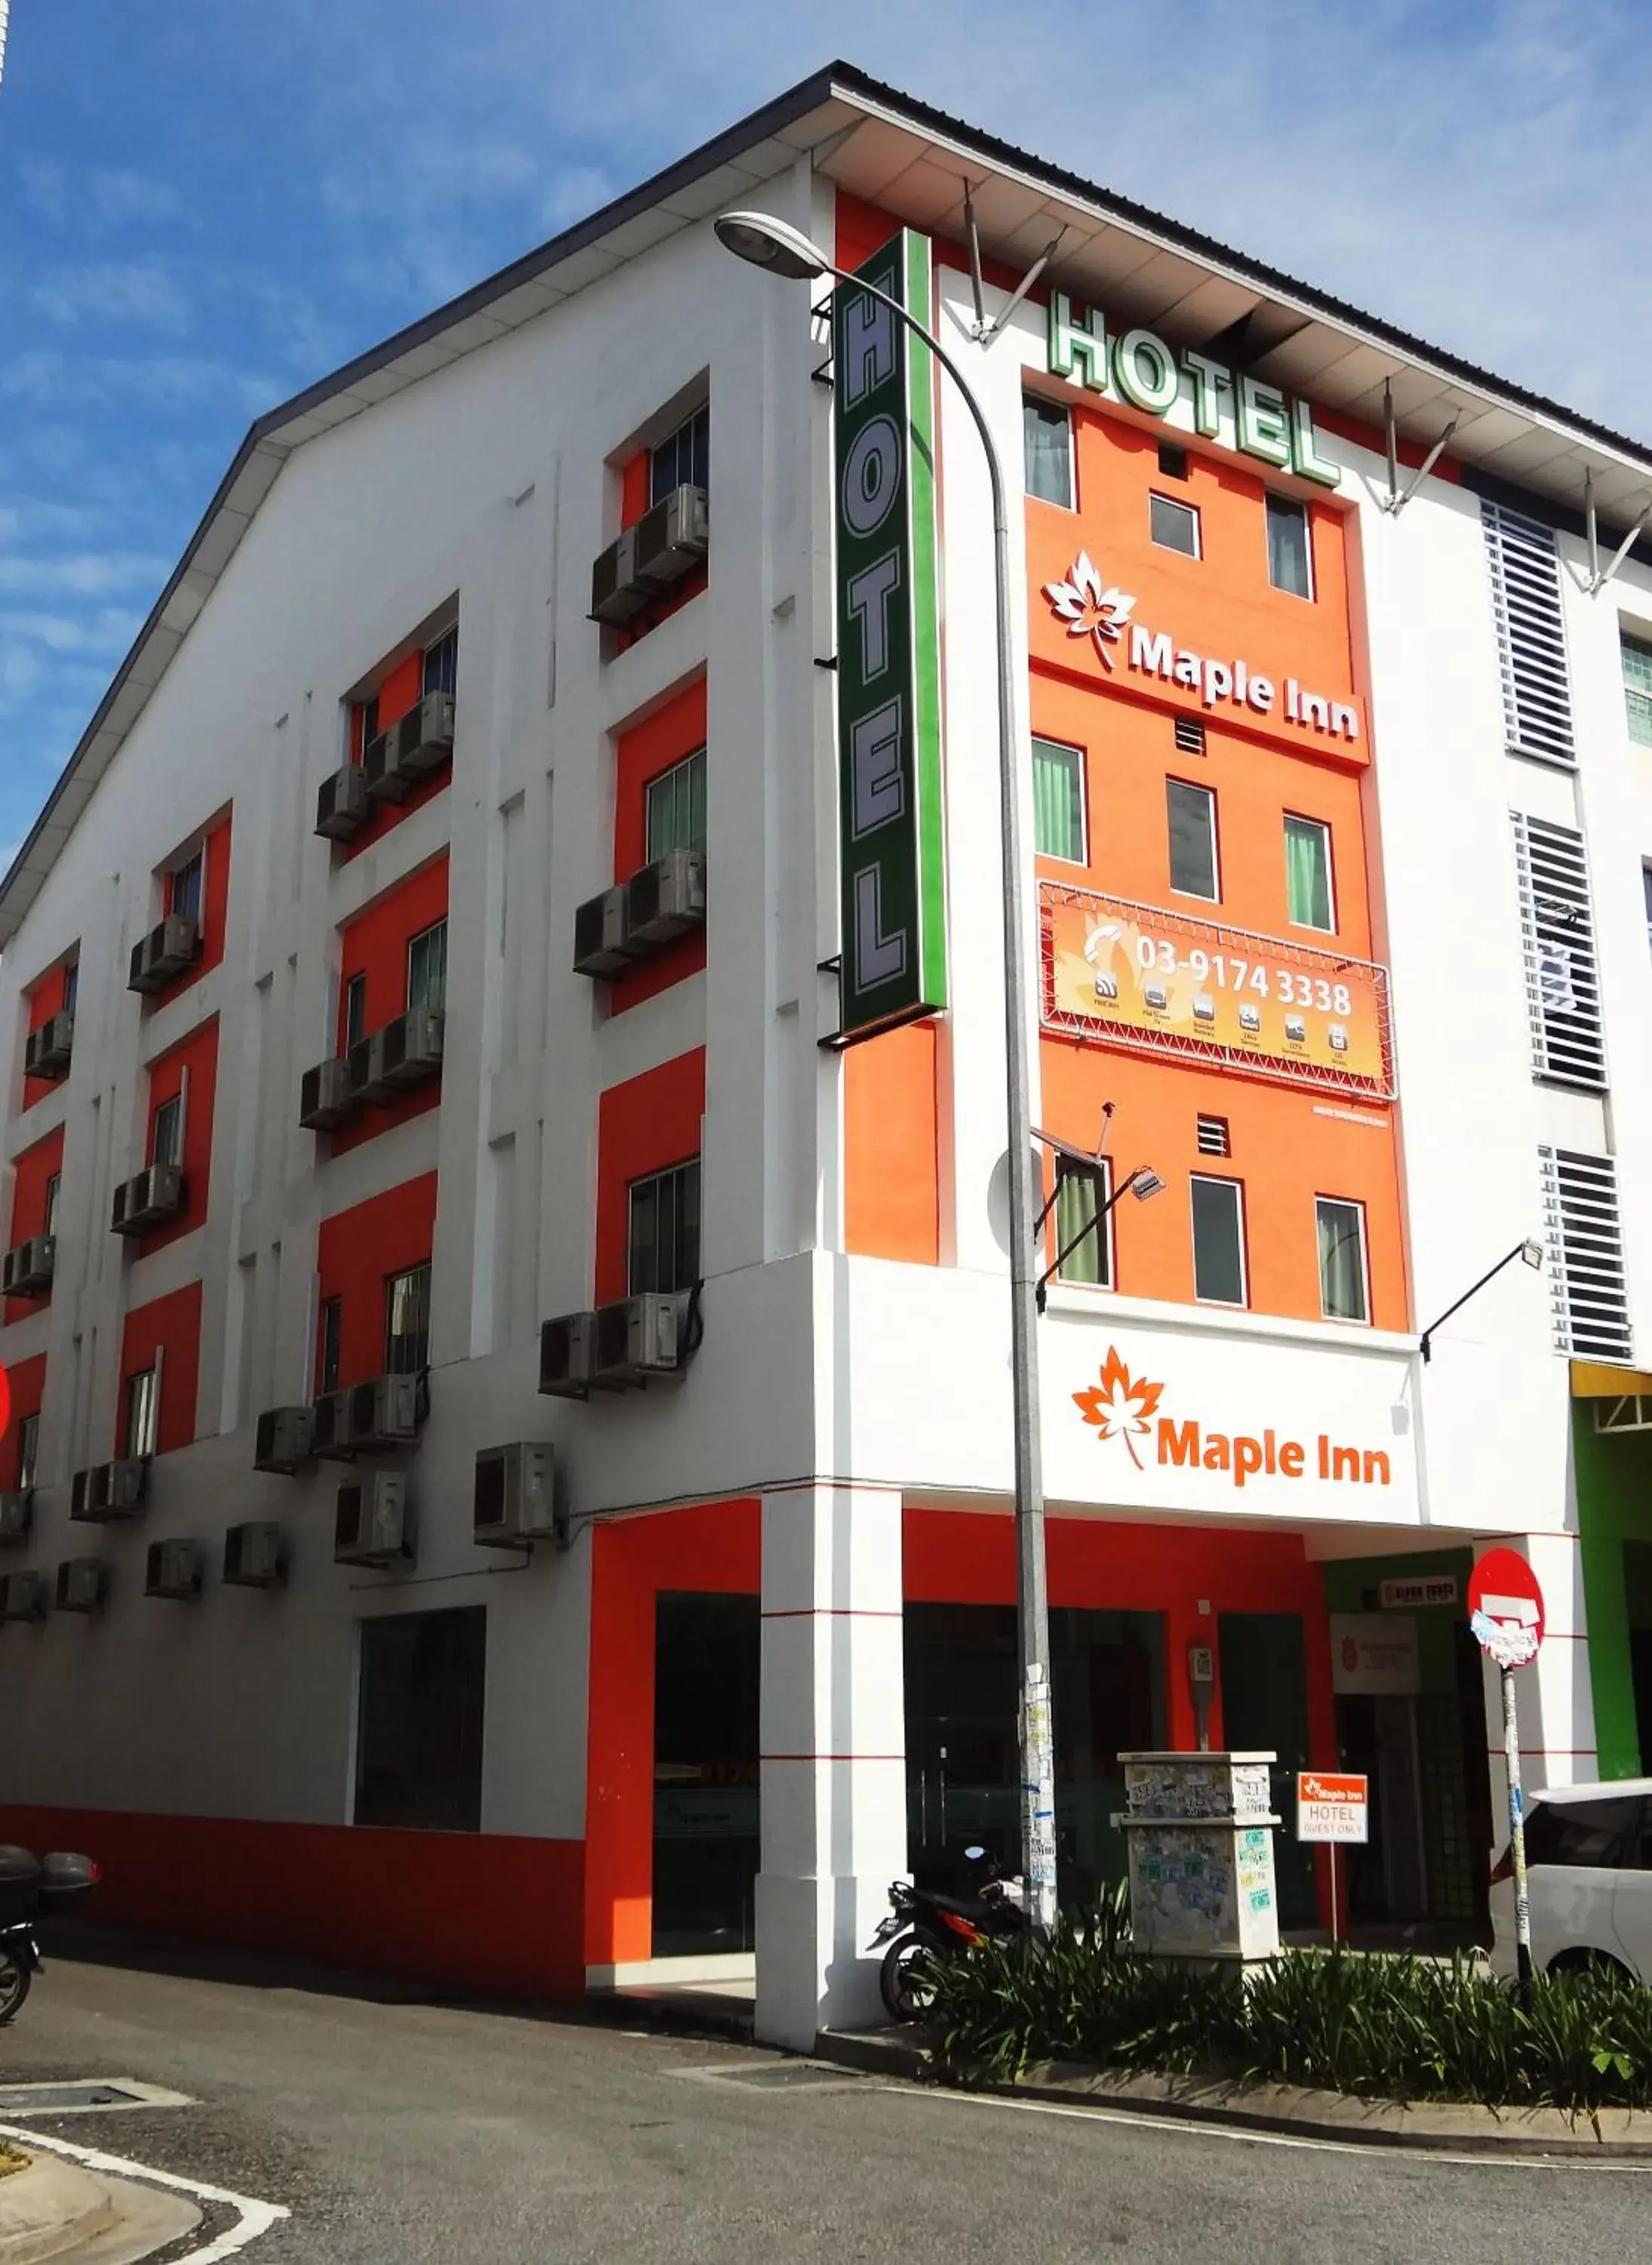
1351,1585
1614,1506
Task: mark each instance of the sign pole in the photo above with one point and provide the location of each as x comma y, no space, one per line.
1516,1832
1335,1931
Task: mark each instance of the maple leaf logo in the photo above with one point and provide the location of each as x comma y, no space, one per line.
1121,1406
1088,609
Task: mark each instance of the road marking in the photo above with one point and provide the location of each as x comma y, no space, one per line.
1133,2119
253,2217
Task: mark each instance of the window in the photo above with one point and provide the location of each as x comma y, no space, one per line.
675,814
1080,1193
368,711
185,891
1589,1835
684,460
1058,800
1174,526
1290,554
418,1722
665,1230
1557,938
442,662
167,1145
1341,1228
329,1344
1218,1241
28,1452
143,1411
1307,873
71,986
1637,687
427,969
1528,607
53,1189
1173,460
355,1010
407,1322
1047,448
1588,1293
1646,892
1192,813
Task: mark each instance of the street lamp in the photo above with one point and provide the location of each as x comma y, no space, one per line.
1529,1253
782,249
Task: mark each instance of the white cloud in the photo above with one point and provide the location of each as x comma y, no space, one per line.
81,574
112,293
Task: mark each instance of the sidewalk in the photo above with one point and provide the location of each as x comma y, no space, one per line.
54,2209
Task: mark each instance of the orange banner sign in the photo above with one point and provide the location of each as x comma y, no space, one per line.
1128,974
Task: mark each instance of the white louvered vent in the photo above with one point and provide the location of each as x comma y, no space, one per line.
1212,1137
1525,595
1557,935
1587,1295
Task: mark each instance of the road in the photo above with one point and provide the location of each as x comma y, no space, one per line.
400,2131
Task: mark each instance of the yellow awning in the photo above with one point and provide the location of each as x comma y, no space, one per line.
1594,1379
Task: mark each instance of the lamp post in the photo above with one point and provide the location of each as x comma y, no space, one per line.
775,246
1529,1253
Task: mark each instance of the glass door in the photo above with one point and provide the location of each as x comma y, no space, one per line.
707,1850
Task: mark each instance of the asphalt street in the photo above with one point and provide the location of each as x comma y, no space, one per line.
398,2131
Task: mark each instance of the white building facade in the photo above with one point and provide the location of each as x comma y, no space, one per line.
759,1657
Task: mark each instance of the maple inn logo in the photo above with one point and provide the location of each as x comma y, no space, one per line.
1102,614
1123,1407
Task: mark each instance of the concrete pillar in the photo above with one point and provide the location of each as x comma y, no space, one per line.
1556,1702
833,1746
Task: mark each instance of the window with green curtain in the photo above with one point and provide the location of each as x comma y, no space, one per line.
1637,687
1342,1240
1307,872
427,969
1058,800
676,807
1076,1202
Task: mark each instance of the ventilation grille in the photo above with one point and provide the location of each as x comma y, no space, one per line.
1525,595
1213,1140
1189,735
1557,935
1587,1295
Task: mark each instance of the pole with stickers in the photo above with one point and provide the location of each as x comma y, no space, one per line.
1505,1613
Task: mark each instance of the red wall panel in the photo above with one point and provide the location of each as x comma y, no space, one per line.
374,943
214,911
356,1249
42,1001
190,1067
31,1173
646,1124
27,1381
640,755
169,1328
396,694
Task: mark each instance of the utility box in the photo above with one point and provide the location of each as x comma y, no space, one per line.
1199,1834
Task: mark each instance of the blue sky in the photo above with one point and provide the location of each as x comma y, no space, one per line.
206,204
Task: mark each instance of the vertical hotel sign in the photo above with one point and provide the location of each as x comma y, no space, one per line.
888,643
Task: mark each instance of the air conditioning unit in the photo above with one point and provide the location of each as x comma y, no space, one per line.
513,1505
22,1597
26,1271
342,808
173,1569
366,1070
671,539
82,1584
254,1554
108,1491
413,1047
385,779
384,1413
666,899
283,1439
325,1096
636,1338
567,1350
149,1200
615,592
599,944
330,1427
424,736
374,1525
165,952
46,1052
17,1515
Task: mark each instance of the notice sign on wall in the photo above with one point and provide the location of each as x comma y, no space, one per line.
1132,975
1332,1808
888,642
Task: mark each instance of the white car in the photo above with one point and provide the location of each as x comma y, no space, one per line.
1589,1879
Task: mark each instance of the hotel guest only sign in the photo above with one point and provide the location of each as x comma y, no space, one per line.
888,645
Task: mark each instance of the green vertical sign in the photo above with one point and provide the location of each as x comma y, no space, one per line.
888,642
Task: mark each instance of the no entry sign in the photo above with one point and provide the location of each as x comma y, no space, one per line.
1505,1608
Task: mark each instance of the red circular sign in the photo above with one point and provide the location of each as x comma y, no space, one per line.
1504,1588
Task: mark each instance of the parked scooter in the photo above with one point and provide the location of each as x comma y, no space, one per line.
32,1886
925,1927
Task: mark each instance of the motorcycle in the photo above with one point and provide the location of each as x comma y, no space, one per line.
924,1925
30,1887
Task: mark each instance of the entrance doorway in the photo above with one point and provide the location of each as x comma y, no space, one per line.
707,1670
1263,1662
1637,1596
